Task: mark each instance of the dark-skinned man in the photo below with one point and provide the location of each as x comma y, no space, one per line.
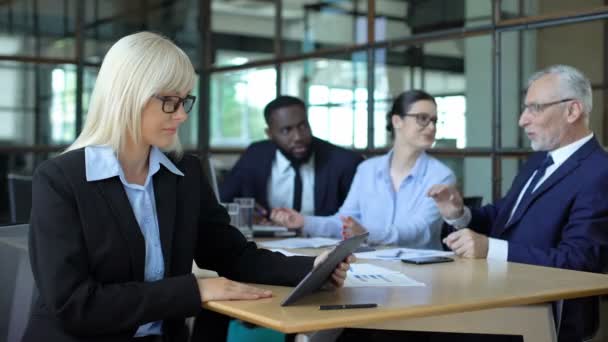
292,169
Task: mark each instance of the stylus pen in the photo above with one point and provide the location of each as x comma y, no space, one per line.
348,306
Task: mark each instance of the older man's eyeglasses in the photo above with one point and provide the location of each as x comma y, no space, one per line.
536,108
171,103
423,119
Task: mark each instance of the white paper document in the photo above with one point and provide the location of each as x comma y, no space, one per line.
401,253
367,275
268,228
315,242
284,252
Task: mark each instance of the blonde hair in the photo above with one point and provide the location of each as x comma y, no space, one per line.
135,68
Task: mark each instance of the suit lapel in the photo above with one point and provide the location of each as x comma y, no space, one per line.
263,175
165,193
116,197
562,171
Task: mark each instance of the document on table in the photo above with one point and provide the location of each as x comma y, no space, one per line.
268,228
315,242
367,275
271,231
284,252
401,253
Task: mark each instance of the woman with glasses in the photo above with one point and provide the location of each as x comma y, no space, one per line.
388,194
118,218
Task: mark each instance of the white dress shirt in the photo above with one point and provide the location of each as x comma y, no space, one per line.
280,185
498,249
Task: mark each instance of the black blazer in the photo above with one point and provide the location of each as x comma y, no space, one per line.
87,253
335,168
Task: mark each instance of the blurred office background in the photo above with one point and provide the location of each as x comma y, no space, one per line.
344,58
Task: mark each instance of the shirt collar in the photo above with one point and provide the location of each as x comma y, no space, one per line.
101,163
284,165
561,154
418,170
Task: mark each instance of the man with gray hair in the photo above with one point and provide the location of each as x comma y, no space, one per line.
555,213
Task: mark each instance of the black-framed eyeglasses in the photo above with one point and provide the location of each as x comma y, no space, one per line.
171,103
423,119
536,108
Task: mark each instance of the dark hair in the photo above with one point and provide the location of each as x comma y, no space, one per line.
281,102
403,103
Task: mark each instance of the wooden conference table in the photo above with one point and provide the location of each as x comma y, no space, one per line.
469,296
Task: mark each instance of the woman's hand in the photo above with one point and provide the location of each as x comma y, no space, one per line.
448,200
350,227
287,217
339,275
226,289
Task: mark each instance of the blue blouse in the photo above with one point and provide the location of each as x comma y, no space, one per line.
407,217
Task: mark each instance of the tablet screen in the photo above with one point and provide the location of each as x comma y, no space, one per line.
319,275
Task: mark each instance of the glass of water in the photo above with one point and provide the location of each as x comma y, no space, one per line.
234,213
246,206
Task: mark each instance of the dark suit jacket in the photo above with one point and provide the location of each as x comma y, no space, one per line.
88,254
564,225
335,168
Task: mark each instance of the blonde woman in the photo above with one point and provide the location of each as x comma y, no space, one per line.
116,222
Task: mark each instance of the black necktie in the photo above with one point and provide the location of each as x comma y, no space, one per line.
540,172
297,187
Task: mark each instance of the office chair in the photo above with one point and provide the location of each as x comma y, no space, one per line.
19,197
594,330
19,289
209,170
446,229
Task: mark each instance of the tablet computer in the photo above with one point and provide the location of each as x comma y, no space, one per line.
319,275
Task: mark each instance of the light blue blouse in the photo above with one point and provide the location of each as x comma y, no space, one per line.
407,217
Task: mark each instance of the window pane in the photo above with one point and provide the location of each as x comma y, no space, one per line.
452,71
108,21
399,19
473,175
510,166
178,20
237,103
310,25
242,31
518,8
48,90
188,131
37,28
89,78
335,91
451,121
381,135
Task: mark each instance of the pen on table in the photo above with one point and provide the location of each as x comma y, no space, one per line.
348,306
396,255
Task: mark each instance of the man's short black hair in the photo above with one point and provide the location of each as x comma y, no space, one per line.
281,102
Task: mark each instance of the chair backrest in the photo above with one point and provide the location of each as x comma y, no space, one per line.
473,201
209,170
19,197
18,287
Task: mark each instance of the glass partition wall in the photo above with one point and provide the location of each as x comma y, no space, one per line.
346,59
